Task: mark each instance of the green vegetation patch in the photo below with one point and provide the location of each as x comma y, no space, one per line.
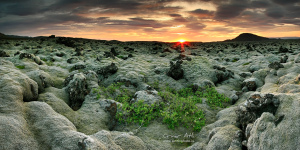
176,108
235,59
138,112
246,63
21,67
122,96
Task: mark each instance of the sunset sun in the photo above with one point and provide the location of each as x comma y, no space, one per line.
181,41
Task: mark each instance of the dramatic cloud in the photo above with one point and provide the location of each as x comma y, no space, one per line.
136,22
231,9
285,2
202,13
165,20
275,12
260,4
178,18
196,26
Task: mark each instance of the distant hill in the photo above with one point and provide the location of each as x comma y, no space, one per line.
248,37
2,35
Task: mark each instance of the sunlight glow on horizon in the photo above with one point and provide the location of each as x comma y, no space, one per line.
181,40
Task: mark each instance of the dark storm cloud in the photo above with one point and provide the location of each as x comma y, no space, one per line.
293,12
20,15
260,4
286,2
202,13
102,18
225,11
31,7
22,8
253,20
196,26
257,13
175,15
275,12
32,23
136,22
231,9
177,18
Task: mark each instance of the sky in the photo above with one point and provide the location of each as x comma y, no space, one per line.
151,20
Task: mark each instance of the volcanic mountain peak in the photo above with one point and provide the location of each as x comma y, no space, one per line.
249,37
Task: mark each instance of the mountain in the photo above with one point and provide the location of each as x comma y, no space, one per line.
249,37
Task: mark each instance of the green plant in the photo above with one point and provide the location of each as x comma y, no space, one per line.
155,85
177,108
113,87
183,111
214,99
142,73
138,113
121,56
59,65
97,91
246,63
109,92
235,60
21,67
49,63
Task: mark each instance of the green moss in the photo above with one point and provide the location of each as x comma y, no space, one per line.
121,56
246,63
21,67
235,60
49,63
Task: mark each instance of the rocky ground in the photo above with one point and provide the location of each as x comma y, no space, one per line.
52,93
